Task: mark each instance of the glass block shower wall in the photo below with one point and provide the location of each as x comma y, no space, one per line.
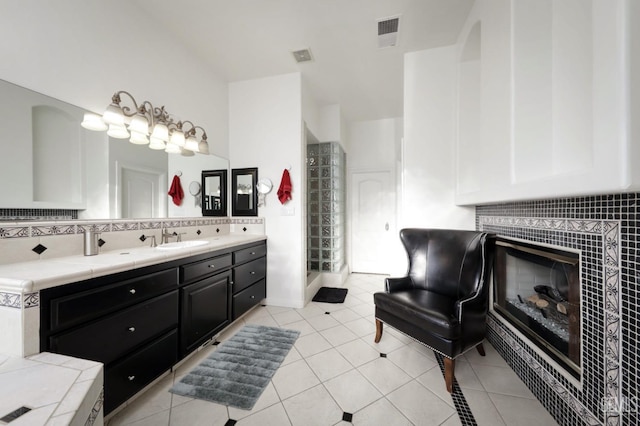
326,182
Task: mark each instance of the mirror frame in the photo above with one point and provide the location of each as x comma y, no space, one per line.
235,210
222,174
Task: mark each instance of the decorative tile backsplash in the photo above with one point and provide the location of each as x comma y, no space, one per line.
605,230
37,214
25,241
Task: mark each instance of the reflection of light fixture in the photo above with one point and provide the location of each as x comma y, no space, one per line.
147,125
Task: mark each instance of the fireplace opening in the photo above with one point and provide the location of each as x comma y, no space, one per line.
537,290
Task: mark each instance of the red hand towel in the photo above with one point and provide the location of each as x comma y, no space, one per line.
284,192
176,191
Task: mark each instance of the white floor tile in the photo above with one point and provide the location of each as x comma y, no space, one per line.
157,419
352,391
411,361
294,378
380,413
434,381
313,407
388,343
311,344
483,408
322,322
522,411
420,405
345,315
338,335
364,310
361,327
272,416
199,413
501,380
291,357
492,357
286,317
153,401
453,420
358,352
302,326
309,311
384,374
328,364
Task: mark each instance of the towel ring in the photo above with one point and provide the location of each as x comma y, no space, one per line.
178,173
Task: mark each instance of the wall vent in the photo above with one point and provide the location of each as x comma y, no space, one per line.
388,29
302,55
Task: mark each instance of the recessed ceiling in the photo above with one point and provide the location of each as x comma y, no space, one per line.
246,39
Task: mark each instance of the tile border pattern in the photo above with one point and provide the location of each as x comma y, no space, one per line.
19,301
25,230
609,230
95,410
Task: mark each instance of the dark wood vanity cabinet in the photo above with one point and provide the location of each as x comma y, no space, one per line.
140,323
249,278
206,302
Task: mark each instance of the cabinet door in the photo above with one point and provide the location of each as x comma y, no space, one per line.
205,309
248,298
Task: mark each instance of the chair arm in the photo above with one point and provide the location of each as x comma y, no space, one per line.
473,306
396,284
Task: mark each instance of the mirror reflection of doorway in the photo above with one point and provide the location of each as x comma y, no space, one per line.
142,194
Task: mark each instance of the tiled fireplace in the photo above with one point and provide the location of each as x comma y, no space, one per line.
604,230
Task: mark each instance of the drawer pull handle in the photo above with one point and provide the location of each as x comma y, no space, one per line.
132,291
253,253
132,329
131,378
253,297
253,272
212,266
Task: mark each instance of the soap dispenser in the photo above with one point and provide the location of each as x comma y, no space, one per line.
91,242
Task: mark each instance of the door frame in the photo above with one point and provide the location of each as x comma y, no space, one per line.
162,187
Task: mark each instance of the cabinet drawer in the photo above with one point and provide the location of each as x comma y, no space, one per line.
250,253
126,378
248,298
81,307
110,337
249,273
204,267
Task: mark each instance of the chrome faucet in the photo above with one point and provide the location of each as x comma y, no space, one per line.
166,235
153,240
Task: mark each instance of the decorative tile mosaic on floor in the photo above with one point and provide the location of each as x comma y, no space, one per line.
336,375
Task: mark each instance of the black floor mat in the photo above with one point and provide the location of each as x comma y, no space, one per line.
330,295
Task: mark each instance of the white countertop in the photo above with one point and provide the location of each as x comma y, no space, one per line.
27,277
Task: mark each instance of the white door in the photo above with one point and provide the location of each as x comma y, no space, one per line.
140,192
373,206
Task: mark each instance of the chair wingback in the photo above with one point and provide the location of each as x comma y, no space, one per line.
453,263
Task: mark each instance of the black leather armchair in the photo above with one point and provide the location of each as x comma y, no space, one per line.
443,300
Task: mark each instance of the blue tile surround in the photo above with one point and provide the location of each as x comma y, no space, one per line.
605,229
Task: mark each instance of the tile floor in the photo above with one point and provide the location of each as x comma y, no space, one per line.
335,372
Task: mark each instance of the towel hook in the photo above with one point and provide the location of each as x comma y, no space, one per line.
178,173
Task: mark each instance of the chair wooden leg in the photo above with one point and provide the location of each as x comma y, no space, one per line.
480,349
378,330
449,367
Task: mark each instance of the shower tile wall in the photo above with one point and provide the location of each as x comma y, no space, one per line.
326,181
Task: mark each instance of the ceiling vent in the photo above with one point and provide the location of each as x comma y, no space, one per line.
302,55
388,32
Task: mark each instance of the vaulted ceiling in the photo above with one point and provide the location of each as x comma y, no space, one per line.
246,39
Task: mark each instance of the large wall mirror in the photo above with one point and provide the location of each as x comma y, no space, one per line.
53,163
243,189
214,193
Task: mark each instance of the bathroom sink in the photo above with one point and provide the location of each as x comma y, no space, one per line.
182,244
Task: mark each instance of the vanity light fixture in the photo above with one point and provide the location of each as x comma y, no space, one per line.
145,124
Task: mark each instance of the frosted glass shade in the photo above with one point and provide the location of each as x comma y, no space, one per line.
156,143
139,138
93,121
161,131
173,149
191,144
177,138
203,147
139,124
114,115
187,153
118,132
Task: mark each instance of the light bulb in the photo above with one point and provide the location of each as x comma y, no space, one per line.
93,121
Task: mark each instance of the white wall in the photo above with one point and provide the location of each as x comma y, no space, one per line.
428,190
266,131
82,52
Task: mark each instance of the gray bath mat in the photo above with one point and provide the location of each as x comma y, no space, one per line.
239,370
